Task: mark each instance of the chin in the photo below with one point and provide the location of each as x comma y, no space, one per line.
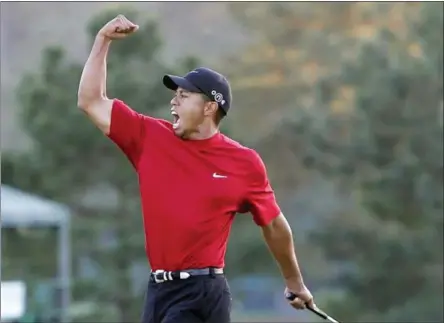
179,133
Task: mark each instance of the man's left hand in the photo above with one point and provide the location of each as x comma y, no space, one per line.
303,298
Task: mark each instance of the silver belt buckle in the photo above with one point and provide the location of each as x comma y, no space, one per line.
157,273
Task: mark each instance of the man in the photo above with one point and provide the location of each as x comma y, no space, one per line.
193,180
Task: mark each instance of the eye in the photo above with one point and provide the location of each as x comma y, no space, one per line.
181,95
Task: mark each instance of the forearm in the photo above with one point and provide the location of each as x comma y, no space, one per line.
92,85
279,239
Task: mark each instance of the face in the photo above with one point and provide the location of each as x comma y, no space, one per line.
189,112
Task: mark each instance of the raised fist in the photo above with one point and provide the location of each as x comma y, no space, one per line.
118,28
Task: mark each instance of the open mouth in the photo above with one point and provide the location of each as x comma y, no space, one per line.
176,119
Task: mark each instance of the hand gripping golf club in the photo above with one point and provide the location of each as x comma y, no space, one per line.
317,311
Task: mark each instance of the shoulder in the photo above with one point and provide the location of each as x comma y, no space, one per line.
161,123
258,172
121,108
236,147
252,161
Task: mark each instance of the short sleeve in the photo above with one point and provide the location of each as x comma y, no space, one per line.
260,200
127,130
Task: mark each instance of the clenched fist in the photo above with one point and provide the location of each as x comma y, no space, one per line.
118,28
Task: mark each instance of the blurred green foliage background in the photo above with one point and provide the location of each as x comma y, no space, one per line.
342,100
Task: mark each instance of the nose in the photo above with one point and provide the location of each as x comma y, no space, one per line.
173,101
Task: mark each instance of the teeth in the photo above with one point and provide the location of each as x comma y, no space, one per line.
176,119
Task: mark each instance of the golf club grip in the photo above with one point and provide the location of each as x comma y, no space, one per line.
291,297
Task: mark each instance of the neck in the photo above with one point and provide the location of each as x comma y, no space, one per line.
204,131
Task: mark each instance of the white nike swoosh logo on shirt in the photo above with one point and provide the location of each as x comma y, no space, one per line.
216,175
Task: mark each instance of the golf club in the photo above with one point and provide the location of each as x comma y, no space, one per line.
317,311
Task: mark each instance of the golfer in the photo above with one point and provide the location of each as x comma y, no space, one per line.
193,180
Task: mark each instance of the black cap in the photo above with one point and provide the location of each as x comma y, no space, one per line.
206,81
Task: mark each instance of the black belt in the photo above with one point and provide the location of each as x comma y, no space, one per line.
160,276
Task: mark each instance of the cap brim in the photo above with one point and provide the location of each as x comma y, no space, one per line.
173,82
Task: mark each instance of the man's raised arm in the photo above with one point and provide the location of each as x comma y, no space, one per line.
92,97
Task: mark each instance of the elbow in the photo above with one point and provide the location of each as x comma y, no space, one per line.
84,102
81,103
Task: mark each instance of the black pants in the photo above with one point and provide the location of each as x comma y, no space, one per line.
199,299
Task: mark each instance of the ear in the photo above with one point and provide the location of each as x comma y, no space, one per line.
210,108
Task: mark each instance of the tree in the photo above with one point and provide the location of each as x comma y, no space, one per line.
375,126
294,46
355,92
73,163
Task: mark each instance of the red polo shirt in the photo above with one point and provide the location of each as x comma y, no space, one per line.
190,189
